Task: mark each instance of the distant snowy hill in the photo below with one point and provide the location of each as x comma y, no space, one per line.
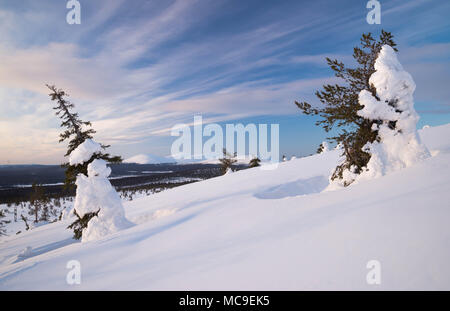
261,229
154,159
149,159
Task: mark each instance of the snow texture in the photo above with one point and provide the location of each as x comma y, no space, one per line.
84,152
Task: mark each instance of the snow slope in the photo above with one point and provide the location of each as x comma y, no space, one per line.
261,230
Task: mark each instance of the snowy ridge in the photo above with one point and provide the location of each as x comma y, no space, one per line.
261,230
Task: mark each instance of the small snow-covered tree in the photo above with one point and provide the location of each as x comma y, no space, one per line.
76,134
37,201
227,161
324,147
392,107
3,222
340,105
87,166
25,220
46,211
97,206
255,162
15,211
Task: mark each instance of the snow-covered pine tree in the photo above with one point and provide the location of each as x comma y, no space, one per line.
45,211
3,222
76,134
79,140
97,206
25,220
398,144
227,161
37,201
255,162
15,211
340,104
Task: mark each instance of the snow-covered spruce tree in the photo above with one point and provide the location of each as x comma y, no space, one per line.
95,196
340,105
97,206
227,161
255,162
76,135
397,144
37,201
25,220
3,223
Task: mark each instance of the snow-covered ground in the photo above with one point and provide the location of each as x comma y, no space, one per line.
13,214
261,229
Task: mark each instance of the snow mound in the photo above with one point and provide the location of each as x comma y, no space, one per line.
84,152
26,252
291,189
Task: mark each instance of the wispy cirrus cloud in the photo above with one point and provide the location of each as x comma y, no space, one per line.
137,68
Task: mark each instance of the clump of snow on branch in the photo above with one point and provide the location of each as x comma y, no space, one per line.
95,193
84,152
339,146
399,145
324,147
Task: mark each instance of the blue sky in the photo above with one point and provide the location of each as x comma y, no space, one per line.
137,68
